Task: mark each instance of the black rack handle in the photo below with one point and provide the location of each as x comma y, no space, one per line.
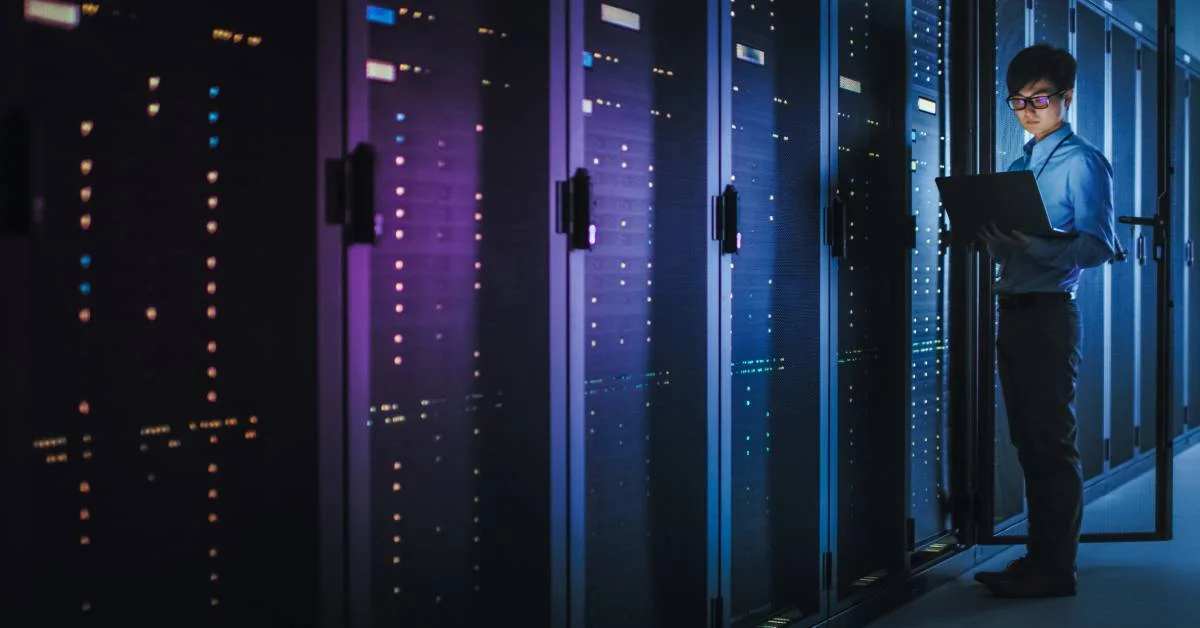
365,225
575,211
1154,223
350,195
725,221
16,173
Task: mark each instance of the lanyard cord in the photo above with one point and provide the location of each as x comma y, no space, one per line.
1051,155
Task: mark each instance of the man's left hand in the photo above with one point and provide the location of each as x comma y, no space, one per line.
991,234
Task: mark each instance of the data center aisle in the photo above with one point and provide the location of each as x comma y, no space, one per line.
1130,585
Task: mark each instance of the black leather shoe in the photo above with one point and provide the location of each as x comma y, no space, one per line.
1013,570
1034,583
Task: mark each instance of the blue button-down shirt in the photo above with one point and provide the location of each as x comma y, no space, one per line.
1076,188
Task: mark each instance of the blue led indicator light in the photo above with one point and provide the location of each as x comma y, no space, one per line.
213,117
399,139
401,117
85,261
85,288
588,59
381,15
213,92
214,141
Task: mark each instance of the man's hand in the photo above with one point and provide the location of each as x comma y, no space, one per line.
991,234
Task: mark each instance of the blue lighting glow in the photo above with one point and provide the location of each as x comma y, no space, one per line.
213,117
401,117
588,59
381,15
85,288
399,139
85,261
213,92
214,141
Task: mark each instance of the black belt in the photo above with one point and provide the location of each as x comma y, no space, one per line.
1034,299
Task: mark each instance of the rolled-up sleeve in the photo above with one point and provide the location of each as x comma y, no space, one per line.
1090,192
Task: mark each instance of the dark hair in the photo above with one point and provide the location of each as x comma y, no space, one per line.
1041,61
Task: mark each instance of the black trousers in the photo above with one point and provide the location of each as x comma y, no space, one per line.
1038,348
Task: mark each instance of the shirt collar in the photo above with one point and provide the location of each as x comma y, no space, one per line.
1049,142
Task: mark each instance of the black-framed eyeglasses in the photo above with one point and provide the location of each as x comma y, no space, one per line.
1017,103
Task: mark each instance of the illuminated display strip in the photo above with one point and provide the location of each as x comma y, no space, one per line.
849,84
620,17
381,71
60,14
926,105
752,55
381,15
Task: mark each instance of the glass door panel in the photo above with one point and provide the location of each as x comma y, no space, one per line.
646,304
1008,483
1126,287
1089,119
873,315
1114,108
158,302
449,314
774,303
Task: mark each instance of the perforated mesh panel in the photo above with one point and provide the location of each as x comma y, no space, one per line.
929,373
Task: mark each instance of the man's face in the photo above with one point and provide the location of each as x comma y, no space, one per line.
1041,122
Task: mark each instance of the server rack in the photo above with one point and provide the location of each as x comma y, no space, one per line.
162,394
452,387
775,152
871,279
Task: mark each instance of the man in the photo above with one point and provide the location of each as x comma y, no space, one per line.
1039,337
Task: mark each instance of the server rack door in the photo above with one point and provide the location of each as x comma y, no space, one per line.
1094,295
1116,101
1193,273
170,299
773,301
645,299
1007,480
449,313
1179,150
1123,153
873,318
1147,252
928,113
